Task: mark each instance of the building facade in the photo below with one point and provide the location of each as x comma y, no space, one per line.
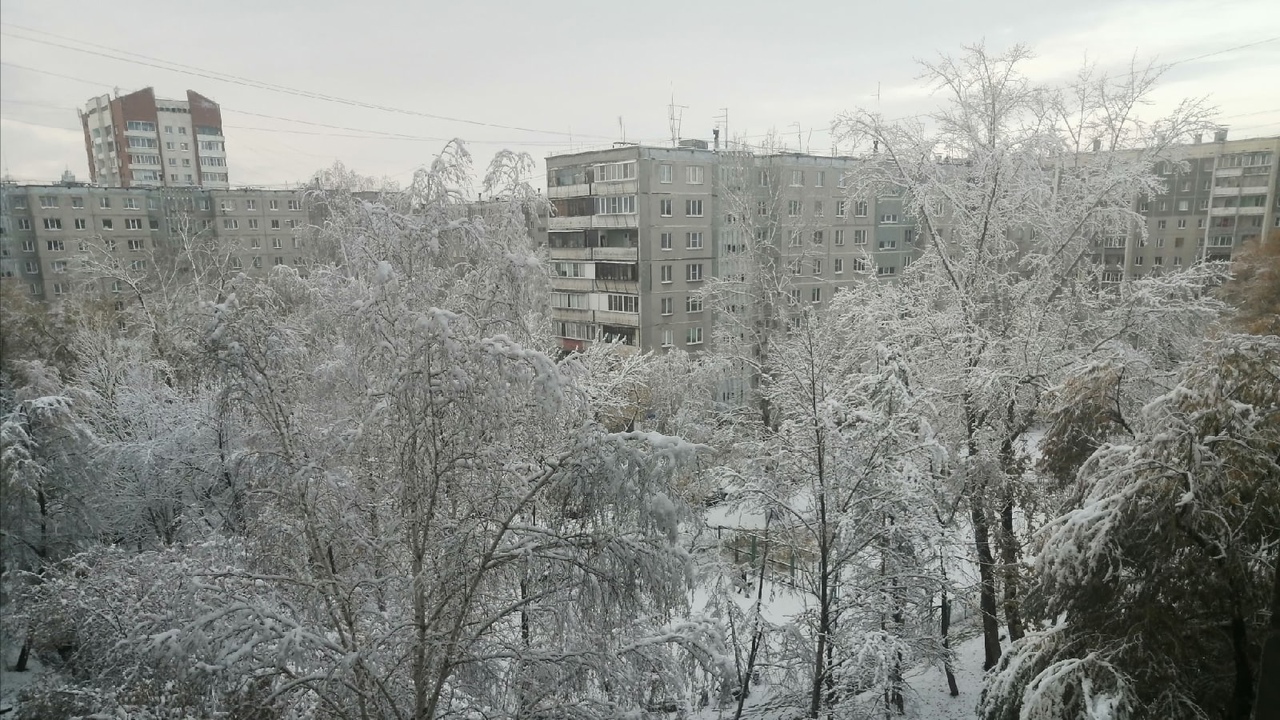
1219,195
138,140
50,234
639,231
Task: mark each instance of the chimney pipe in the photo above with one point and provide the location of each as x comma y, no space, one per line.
1220,135
715,133
1199,138
1097,145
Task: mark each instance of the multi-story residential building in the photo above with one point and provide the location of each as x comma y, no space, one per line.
1219,195
638,231
137,140
49,232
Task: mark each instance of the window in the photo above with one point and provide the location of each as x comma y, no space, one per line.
817,208
815,295
19,203
693,241
569,269
275,224
1138,260
253,223
665,273
664,173
106,224
273,204
1182,223
614,172
110,245
693,272
170,146
173,162
297,205
817,237
840,237
48,201
1177,242
53,223
694,174
1177,261
24,223
59,289
839,266
795,238
140,126
1158,260
817,267
762,178
294,223
859,265
693,304
33,267
889,244
797,178
77,203
257,261
1184,205
795,295
794,208
133,223
889,218
664,207
860,208
762,208
859,237
820,178
668,305
885,270
104,203
250,204
135,245
28,246
1142,206
82,224
230,224
666,240
668,337
1203,205
255,243
137,264
572,301
1162,224
605,205
693,336
55,245
237,264
141,142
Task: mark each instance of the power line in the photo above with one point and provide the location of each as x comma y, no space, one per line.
168,65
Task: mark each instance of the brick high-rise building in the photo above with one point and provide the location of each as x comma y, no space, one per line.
139,140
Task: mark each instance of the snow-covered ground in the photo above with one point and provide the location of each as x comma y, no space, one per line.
932,700
11,683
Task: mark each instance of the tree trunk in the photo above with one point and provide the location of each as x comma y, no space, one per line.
23,655
1009,576
757,634
1242,695
987,584
1266,704
946,644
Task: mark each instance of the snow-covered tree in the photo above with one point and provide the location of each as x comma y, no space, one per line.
1013,203
1160,571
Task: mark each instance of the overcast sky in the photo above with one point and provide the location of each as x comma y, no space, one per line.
551,76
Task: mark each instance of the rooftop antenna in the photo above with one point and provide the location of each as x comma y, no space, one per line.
877,93
622,129
722,121
674,118
799,137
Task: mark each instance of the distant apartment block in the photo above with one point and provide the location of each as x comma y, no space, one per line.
49,232
638,231
1218,196
139,141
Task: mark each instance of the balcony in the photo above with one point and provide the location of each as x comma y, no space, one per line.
568,191
604,317
623,287
1254,210
572,284
571,314
621,187
1226,191
576,222
614,221
1228,172
1221,211
564,253
624,254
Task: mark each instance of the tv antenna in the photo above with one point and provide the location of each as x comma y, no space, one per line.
722,122
675,113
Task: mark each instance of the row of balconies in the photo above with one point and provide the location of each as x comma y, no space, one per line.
625,254
603,317
584,222
1253,210
622,287
622,187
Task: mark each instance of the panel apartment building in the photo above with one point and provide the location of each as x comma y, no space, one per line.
1219,195
138,140
638,231
48,231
